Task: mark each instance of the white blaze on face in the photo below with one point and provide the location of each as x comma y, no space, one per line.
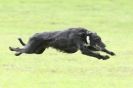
88,40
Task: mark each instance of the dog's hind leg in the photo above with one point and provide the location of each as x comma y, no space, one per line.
40,50
22,50
34,45
17,51
14,49
29,48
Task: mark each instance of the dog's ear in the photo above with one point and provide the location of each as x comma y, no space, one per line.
90,33
82,34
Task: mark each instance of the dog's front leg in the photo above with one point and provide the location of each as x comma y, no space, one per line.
108,52
88,52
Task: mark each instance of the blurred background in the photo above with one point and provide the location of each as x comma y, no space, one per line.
111,19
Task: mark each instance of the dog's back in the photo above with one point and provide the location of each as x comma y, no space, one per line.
68,33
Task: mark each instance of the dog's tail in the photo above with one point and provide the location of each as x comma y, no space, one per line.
20,40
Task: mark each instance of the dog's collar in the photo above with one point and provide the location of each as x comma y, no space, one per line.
87,41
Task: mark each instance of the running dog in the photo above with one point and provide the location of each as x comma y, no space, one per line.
68,41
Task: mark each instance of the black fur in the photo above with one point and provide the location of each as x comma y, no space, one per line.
68,41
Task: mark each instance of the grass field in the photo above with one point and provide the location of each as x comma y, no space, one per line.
111,19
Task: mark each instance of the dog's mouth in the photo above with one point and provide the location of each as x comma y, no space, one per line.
96,48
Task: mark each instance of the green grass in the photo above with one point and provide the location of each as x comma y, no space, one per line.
111,19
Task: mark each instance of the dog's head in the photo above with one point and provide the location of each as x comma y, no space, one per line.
94,41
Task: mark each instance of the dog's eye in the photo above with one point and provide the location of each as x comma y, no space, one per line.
96,38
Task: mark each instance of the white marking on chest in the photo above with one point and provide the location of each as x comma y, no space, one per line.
88,41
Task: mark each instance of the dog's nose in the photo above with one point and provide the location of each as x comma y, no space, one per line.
103,45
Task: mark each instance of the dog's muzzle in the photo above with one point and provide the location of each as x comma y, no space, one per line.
99,48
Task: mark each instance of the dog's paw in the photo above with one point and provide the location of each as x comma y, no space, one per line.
112,53
105,57
17,53
10,48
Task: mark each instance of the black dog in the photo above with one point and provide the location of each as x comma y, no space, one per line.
68,41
